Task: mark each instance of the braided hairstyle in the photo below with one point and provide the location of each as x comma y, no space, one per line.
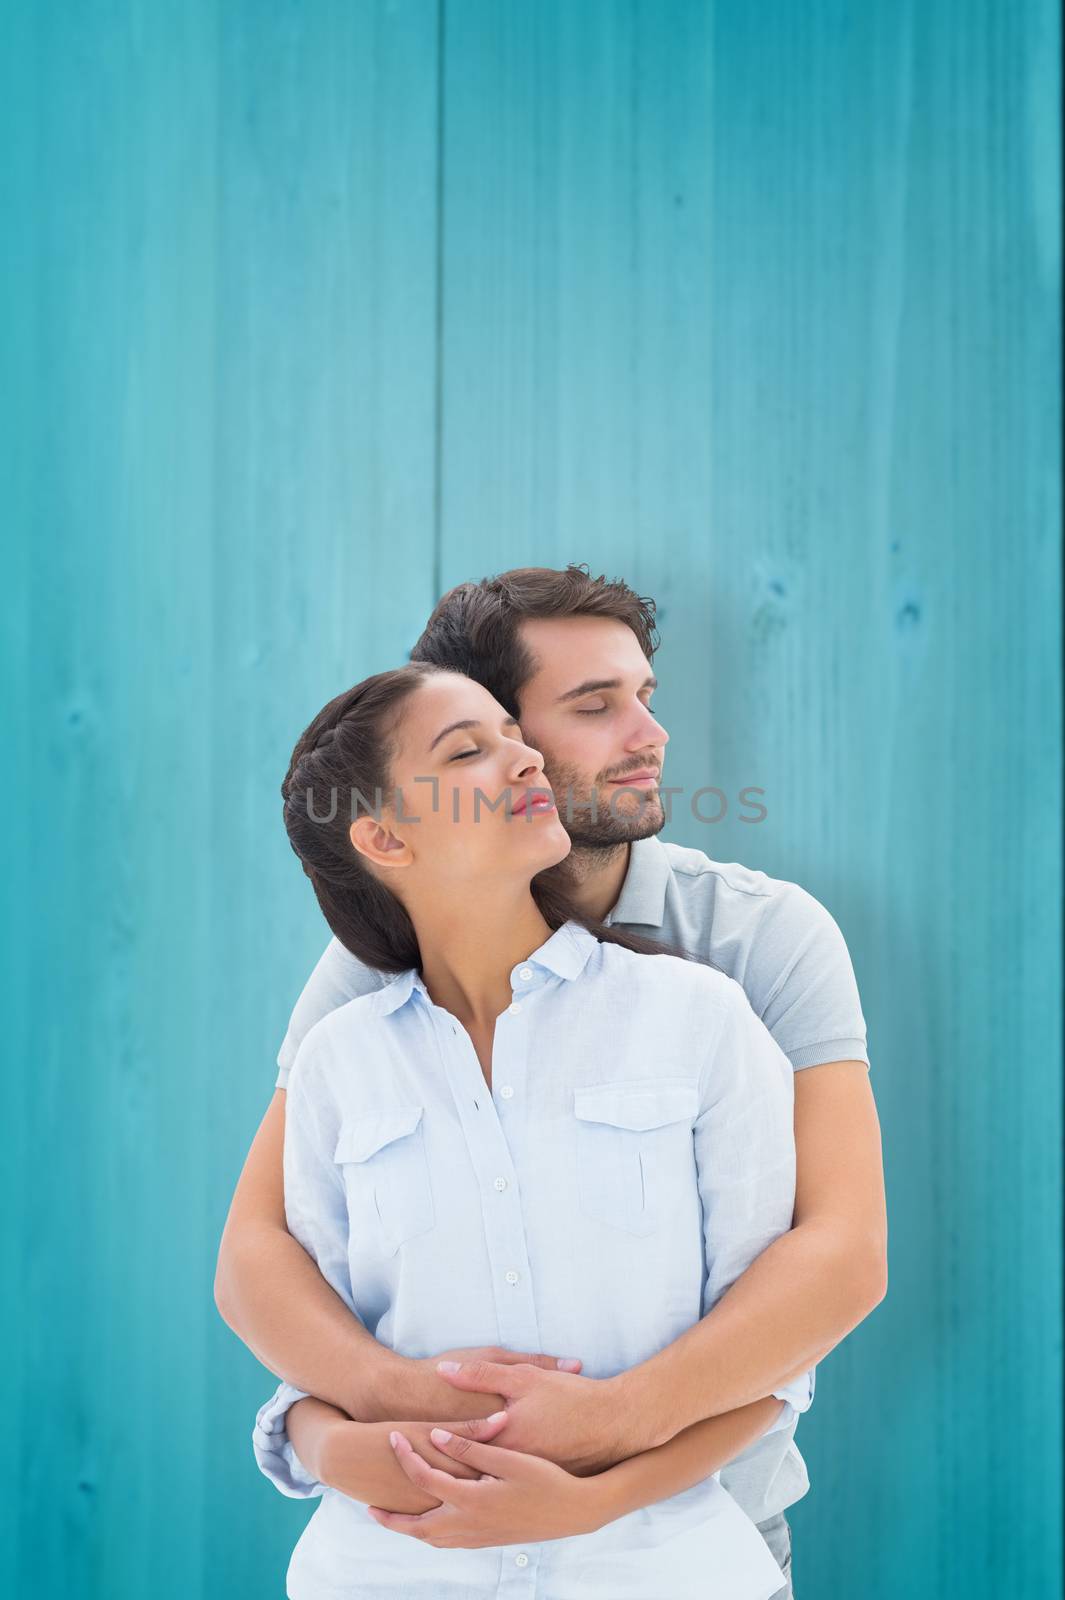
340,769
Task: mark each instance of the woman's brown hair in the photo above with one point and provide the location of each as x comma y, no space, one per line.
341,768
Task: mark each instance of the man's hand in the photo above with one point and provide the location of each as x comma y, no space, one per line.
575,1422
433,1397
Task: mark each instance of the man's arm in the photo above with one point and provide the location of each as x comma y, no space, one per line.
806,1291
683,1461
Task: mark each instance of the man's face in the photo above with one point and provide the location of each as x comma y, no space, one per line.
586,708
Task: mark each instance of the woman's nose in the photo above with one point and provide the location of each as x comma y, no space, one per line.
528,765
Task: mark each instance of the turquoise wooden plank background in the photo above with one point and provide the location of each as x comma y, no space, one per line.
310,311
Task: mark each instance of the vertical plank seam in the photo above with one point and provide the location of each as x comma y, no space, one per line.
438,402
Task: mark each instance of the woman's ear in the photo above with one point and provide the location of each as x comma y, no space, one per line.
378,843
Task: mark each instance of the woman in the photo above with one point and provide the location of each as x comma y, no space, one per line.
542,1133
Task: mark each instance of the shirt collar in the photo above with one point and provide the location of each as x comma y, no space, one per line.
393,994
565,953
643,893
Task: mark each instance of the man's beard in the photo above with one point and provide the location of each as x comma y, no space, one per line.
611,821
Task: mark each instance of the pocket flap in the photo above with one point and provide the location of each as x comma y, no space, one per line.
363,1136
626,1106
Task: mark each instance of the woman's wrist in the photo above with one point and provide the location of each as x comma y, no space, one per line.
602,1498
313,1426
358,1460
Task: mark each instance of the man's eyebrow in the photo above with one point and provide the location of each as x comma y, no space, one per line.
468,722
594,685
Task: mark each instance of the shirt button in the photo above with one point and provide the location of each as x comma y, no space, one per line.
506,1091
512,1276
515,1006
526,973
522,1560
501,1183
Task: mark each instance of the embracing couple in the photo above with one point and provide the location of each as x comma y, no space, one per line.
573,1171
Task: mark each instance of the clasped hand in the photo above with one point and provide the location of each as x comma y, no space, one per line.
557,1430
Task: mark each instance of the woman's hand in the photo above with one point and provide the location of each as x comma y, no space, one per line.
517,1497
357,1459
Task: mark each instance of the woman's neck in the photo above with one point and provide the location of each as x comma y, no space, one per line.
469,947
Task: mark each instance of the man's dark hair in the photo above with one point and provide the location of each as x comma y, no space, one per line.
474,628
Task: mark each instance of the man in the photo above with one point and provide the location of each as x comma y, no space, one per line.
570,656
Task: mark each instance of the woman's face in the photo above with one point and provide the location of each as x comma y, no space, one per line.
468,805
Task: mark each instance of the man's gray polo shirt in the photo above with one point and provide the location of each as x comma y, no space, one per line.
772,937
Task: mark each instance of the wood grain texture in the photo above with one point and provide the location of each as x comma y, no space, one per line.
311,311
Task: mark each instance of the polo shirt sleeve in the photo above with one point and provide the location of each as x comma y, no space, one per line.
338,977
800,981
745,1158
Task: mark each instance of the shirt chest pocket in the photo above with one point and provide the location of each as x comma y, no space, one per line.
383,1159
635,1153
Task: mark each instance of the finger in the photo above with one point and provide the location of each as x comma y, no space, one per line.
487,1377
492,1460
547,1363
482,1428
421,1518
402,1522
441,1485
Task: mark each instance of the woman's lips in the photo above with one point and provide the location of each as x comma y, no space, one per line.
533,804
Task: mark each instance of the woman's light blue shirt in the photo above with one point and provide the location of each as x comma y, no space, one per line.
633,1155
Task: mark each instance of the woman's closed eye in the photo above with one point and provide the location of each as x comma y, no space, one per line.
461,755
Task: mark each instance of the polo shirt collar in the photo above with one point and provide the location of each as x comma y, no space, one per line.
643,893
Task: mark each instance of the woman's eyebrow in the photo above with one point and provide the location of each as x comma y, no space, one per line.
467,722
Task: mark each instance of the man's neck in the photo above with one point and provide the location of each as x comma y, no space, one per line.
594,876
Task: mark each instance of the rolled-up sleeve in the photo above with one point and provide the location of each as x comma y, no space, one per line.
317,1217
273,1447
798,1396
745,1154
